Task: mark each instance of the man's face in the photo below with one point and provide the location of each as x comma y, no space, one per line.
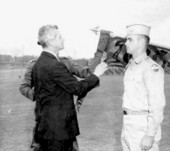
132,44
57,41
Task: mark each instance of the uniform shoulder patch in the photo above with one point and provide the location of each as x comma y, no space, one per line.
155,67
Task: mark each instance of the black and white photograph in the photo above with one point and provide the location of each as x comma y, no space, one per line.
85,75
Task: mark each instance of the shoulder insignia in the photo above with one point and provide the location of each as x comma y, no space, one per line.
155,67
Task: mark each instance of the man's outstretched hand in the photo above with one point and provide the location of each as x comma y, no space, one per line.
100,69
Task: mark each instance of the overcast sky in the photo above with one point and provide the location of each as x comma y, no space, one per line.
21,19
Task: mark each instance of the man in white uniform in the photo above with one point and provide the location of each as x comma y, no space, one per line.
143,98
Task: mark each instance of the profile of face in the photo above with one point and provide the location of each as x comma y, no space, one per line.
132,43
55,39
49,36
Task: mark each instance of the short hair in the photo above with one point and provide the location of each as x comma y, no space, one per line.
43,34
145,38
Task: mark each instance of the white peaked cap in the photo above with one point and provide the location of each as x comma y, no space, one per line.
138,29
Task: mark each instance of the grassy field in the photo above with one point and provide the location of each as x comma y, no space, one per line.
100,117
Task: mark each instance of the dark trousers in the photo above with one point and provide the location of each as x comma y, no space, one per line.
38,145
57,145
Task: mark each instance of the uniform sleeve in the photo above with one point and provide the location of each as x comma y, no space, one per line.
80,71
69,83
154,81
25,86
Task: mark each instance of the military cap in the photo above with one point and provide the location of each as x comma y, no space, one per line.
138,29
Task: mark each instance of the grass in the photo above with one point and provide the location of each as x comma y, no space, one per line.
100,116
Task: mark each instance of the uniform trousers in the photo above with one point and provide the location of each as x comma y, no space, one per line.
133,130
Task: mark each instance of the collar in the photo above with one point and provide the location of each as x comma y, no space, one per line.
140,58
52,54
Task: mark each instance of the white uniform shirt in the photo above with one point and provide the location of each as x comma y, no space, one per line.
144,90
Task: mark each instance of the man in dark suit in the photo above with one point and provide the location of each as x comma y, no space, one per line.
54,88
75,69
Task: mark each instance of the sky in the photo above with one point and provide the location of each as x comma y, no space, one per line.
21,20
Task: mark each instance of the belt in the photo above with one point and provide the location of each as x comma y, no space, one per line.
130,112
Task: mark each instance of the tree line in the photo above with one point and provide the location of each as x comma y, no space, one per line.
8,60
16,59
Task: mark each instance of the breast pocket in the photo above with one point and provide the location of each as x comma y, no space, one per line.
135,78
139,84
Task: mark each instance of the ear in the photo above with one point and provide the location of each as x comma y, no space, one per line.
51,42
141,40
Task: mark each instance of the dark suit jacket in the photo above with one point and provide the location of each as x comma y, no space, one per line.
54,89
